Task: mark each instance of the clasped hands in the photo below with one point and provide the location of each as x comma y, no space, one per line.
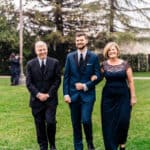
79,86
42,96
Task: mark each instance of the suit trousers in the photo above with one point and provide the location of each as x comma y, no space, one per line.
81,113
45,122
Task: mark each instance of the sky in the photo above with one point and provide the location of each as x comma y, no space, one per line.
23,1
17,2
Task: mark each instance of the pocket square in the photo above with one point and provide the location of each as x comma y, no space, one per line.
88,64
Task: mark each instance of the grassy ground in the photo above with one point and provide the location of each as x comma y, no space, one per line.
142,74
17,130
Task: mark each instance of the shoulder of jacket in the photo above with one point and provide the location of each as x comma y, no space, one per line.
71,54
93,54
31,61
52,59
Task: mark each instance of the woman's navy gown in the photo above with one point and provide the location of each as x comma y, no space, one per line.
115,105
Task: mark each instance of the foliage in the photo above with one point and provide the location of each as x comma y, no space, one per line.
120,17
8,43
54,37
8,32
120,37
142,62
92,7
138,62
101,39
132,59
56,21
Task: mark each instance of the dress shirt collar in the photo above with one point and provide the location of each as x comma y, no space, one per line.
40,61
80,52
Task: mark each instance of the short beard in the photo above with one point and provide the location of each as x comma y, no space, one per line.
82,48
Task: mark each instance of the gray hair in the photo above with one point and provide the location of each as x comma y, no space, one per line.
39,43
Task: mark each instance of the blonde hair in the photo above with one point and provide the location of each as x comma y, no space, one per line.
108,46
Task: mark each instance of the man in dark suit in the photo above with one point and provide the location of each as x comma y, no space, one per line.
79,89
14,68
43,80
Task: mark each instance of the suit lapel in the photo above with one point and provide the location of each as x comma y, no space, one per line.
83,69
76,58
47,64
85,61
37,64
87,57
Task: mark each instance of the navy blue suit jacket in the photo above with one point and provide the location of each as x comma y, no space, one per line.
72,75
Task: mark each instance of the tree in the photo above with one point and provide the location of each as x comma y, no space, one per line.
8,33
120,16
128,15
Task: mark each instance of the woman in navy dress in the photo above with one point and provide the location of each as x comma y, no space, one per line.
118,97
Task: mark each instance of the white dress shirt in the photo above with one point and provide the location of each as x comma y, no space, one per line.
84,56
40,61
83,53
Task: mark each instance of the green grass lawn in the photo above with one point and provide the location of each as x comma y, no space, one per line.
141,74
17,131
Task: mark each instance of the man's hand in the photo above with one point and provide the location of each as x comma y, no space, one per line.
79,86
42,97
67,99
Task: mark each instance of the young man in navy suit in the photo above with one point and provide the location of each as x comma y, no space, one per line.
79,89
43,80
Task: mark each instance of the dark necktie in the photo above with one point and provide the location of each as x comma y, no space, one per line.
81,64
81,60
42,67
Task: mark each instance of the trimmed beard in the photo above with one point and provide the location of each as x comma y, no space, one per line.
82,47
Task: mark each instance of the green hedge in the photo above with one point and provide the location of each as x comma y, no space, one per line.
138,62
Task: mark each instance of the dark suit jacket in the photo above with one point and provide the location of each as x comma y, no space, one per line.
14,66
73,75
47,83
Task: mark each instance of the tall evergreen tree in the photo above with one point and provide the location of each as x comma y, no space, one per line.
8,34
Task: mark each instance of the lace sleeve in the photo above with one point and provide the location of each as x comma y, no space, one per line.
102,67
102,70
127,65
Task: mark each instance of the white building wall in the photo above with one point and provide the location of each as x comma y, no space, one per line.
135,47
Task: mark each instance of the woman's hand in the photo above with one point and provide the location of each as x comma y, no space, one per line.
133,100
93,77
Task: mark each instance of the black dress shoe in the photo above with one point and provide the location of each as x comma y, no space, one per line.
91,147
53,147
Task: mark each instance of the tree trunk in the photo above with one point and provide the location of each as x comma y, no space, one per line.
58,16
112,16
